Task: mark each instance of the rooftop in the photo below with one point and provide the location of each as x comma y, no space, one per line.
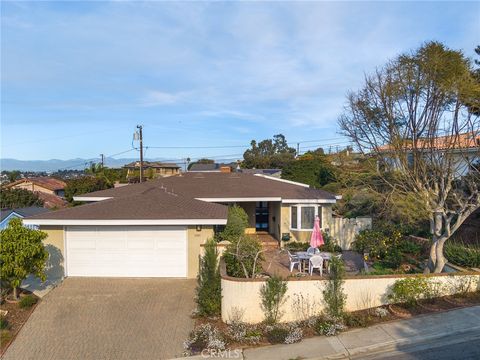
44,181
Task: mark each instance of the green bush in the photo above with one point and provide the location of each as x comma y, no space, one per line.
410,290
277,335
243,257
297,246
379,240
237,222
333,295
462,254
330,244
272,294
409,247
27,301
357,319
4,323
209,291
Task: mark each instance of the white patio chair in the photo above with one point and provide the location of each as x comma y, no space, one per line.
315,262
313,251
294,261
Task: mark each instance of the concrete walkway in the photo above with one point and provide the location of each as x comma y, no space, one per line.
359,343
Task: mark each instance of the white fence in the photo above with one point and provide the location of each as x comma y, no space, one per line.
241,297
344,230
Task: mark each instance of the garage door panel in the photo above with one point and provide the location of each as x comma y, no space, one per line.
127,251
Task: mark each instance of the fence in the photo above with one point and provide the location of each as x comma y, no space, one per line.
344,230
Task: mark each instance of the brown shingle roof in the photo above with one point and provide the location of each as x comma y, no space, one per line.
221,185
46,182
150,204
51,201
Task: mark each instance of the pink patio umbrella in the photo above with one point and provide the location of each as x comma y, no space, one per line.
317,239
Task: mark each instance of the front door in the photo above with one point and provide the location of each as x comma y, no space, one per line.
261,216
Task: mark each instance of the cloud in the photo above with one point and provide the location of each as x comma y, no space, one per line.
157,98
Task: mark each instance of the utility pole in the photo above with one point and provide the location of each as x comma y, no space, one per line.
139,127
103,159
298,149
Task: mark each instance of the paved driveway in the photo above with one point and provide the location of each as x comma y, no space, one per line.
102,318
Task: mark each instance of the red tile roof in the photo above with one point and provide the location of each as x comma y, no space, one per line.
461,141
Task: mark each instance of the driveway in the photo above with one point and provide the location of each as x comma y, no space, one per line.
106,318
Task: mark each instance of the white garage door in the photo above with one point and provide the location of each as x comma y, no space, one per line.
126,251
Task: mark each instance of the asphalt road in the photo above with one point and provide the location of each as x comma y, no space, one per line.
465,348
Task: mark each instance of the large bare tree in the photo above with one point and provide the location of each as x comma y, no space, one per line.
413,115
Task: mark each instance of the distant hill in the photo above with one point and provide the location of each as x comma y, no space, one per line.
56,164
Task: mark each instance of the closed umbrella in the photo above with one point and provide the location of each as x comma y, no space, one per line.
317,239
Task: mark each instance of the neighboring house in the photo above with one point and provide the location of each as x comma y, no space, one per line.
152,169
224,168
277,173
8,214
156,228
464,148
50,190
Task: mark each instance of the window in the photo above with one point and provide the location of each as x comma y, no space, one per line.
308,217
293,221
302,217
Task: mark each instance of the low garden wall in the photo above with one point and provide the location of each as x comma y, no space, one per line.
344,230
241,297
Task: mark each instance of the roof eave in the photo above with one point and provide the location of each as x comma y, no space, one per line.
99,222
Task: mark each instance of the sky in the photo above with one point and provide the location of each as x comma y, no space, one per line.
77,77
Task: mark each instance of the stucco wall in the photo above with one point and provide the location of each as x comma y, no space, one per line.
195,240
33,187
55,246
304,296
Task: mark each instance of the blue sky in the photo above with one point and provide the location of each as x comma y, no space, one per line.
78,76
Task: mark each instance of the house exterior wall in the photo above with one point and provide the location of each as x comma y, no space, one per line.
274,219
195,241
249,208
54,243
55,246
304,235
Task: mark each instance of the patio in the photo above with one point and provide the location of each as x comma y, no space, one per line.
277,262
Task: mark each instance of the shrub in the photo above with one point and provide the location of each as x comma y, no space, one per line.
27,301
244,333
380,312
379,240
330,244
328,327
243,257
410,290
276,335
273,296
333,295
295,334
4,323
462,254
410,247
356,319
237,222
203,337
209,291
298,246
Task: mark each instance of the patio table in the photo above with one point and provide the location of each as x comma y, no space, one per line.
305,256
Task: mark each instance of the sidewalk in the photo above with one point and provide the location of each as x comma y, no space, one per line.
375,338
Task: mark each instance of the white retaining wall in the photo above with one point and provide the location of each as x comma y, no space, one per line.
344,230
241,297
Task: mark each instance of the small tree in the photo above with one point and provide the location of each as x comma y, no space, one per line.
273,296
237,222
243,257
209,292
333,295
18,198
21,253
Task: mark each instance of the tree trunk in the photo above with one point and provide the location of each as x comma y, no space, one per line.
15,293
440,263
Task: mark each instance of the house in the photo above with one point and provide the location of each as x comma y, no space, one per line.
156,228
152,169
213,167
20,213
50,190
463,148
